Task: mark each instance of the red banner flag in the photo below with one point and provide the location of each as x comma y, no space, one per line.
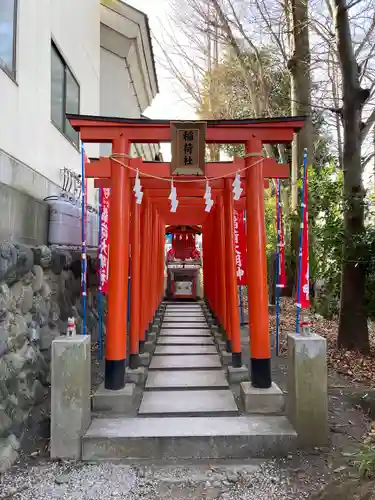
281,282
104,240
240,246
305,269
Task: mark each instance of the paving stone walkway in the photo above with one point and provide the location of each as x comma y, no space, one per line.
186,377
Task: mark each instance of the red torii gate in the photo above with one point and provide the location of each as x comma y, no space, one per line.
148,227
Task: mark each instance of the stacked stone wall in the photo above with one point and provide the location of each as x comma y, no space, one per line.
39,290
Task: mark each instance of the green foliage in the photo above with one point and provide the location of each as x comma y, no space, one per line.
326,228
366,462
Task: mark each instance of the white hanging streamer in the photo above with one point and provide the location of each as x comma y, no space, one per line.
207,197
173,198
237,189
138,189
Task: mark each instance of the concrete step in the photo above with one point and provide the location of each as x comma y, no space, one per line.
184,324
184,349
189,403
187,332
187,341
202,379
182,307
185,362
184,317
211,438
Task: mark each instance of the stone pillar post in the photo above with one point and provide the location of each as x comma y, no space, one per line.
307,401
70,395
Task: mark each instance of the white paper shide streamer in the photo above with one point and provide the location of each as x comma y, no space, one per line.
173,198
237,189
138,189
207,197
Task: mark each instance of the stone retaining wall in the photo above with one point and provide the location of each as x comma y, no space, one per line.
39,291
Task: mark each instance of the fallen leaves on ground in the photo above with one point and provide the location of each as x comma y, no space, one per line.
353,365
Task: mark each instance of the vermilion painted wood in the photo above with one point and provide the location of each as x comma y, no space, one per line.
102,169
256,260
119,259
230,268
271,132
135,278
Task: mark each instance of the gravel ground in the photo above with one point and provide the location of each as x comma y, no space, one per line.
65,481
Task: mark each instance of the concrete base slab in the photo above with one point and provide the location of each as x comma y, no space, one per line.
192,403
204,379
155,329
149,346
238,375
185,332
181,340
114,401
222,346
137,376
151,337
137,439
144,359
185,349
262,400
185,324
226,358
218,337
185,362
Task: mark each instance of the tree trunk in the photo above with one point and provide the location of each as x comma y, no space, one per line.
353,329
300,78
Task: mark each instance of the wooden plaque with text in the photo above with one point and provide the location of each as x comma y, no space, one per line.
188,148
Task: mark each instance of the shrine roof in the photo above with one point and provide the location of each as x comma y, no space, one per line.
149,121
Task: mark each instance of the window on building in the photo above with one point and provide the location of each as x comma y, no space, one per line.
8,32
64,95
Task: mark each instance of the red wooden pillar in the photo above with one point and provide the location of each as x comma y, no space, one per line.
232,295
145,251
220,246
135,304
210,259
118,271
162,257
205,261
154,261
260,348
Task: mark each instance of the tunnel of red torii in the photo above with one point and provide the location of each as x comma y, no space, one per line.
138,231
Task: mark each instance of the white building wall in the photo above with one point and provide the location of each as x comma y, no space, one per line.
117,97
26,131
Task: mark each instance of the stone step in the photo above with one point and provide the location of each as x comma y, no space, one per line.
184,308
181,332
188,403
203,379
203,438
187,341
185,362
184,325
184,315
183,350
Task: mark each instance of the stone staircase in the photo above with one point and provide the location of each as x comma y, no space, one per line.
187,410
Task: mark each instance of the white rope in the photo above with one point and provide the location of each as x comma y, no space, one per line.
168,179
